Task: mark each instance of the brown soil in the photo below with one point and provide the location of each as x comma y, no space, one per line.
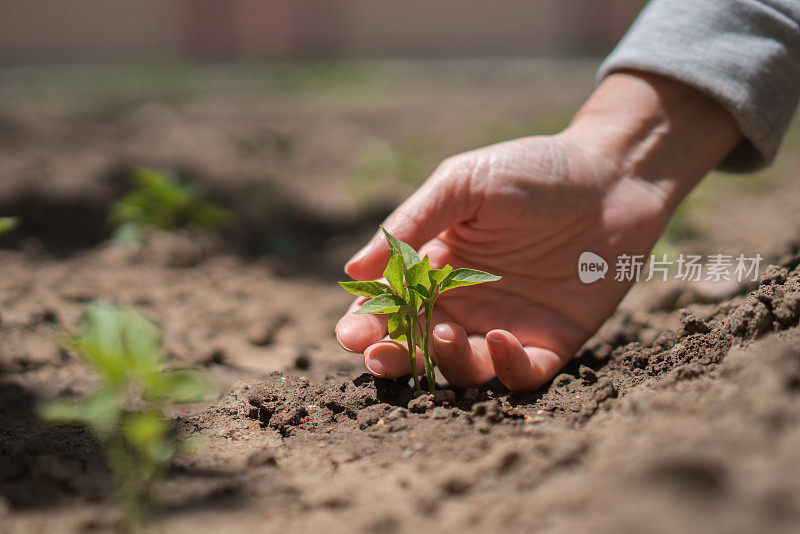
682,414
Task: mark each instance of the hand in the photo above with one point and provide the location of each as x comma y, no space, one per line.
526,209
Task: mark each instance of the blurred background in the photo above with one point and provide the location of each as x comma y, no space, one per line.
308,119
114,30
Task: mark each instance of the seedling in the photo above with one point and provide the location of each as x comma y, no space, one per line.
8,223
160,201
412,289
125,413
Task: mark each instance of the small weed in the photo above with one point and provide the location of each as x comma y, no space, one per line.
8,223
413,287
160,201
125,413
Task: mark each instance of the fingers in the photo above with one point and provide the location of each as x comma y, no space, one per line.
357,332
470,361
389,359
521,368
441,202
464,362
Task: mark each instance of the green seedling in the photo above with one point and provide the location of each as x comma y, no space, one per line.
8,223
161,202
125,412
411,293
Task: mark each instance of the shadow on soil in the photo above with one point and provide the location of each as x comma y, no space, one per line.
267,222
44,466
40,465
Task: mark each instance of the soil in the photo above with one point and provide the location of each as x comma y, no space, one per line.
682,414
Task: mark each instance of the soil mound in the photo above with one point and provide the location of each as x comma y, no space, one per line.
696,430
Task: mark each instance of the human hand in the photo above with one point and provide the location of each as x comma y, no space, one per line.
526,209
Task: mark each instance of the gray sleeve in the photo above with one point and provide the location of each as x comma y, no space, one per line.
743,53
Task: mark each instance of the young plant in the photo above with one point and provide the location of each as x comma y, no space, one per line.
160,201
8,223
412,289
125,413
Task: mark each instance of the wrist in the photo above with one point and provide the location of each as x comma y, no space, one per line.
655,129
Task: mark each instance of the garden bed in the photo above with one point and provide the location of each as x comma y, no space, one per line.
681,414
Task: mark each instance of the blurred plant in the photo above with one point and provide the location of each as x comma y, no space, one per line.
125,413
8,223
413,287
160,201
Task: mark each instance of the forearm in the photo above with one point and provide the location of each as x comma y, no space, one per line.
656,129
743,53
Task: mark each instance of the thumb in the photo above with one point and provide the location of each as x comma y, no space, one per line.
442,201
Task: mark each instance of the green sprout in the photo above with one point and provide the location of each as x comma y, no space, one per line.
161,202
125,413
8,223
412,289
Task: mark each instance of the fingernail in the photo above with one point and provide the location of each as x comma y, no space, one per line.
443,330
343,345
375,366
444,347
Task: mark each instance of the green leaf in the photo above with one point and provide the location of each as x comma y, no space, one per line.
365,289
382,304
147,431
437,275
418,283
397,327
417,275
8,223
145,427
466,277
416,297
119,344
99,412
141,340
410,256
99,343
394,272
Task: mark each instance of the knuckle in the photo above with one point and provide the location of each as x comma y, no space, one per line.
455,172
451,165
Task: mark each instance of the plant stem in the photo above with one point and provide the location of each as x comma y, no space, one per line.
411,328
429,373
425,356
